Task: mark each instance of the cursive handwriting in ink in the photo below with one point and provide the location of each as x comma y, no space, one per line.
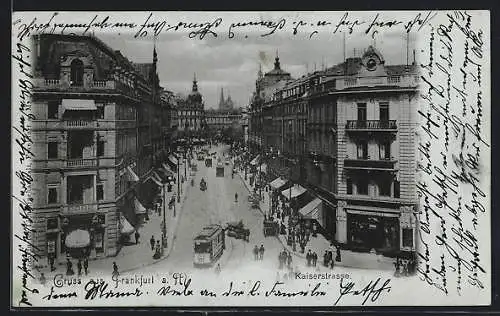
370,291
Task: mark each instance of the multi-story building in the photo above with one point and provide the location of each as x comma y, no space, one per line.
191,113
220,120
359,157
92,144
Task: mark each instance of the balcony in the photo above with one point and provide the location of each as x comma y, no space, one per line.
372,125
370,164
90,86
79,209
81,163
80,124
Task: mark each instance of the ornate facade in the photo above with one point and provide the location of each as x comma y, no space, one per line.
191,113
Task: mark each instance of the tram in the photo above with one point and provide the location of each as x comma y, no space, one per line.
209,245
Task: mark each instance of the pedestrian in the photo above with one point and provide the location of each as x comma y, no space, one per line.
332,263
217,269
152,243
115,269
289,261
325,259
314,258
86,265
42,279
236,197
309,257
256,252
69,267
79,267
51,262
137,235
338,258
261,252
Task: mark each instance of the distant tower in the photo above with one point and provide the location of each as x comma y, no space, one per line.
195,83
221,101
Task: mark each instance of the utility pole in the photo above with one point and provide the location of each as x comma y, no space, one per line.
178,183
164,217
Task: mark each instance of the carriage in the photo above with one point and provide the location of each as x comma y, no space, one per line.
238,231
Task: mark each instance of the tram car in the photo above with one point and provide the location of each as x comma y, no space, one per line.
219,170
209,245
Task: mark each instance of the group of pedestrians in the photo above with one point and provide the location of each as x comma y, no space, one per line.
285,259
311,258
258,252
81,265
155,247
404,267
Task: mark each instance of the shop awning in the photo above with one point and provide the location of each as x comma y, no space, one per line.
293,191
155,180
313,210
78,105
277,183
172,159
167,170
78,239
127,228
131,175
160,177
255,160
371,213
139,208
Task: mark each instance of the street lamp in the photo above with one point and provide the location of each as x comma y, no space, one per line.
164,228
178,183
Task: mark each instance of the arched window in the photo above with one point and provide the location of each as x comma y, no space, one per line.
76,72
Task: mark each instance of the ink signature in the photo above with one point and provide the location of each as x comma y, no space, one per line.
370,291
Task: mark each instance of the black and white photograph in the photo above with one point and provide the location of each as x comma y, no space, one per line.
250,159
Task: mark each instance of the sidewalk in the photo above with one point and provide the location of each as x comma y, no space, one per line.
319,244
135,256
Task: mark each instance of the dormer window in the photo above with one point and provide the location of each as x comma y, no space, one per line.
76,72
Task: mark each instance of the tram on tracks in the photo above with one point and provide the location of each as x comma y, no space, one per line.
209,245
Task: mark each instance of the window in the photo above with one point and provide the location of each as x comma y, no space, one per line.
396,189
385,188
361,111
76,72
52,196
100,148
362,152
349,186
100,111
408,237
363,186
52,223
52,150
100,192
384,150
384,111
53,110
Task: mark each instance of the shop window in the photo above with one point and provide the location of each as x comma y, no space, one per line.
362,152
349,186
100,148
53,110
385,188
52,223
52,150
362,186
396,189
408,237
100,192
52,195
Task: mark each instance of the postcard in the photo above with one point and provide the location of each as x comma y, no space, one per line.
196,159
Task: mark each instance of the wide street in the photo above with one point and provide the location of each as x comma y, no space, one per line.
217,205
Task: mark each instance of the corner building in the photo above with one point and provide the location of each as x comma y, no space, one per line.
347,135
93,146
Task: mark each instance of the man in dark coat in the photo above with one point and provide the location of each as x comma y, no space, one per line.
137,235
261,252
314,258
152,242
79,267
51,262
309,257
86,265
69,267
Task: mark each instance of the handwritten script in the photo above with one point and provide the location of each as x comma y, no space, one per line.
451,151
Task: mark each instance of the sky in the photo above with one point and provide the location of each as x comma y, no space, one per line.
233,64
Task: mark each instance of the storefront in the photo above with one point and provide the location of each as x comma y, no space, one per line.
80,236
373,230
312,214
